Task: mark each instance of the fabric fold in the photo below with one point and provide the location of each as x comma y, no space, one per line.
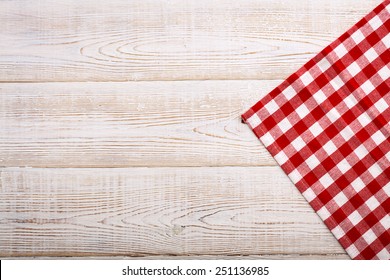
328,127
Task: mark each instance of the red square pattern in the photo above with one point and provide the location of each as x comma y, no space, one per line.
327,126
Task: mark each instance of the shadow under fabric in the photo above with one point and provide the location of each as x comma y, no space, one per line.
328,127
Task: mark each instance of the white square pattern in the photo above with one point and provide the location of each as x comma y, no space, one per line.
289,92
309,195
271,107
354,69
375,170
375,22
306,78
381,105
340,199
355,218
319,96
344,166
295,176
347,133
350,101
384,254
329,147
358,184
281,158
352,251
324,64
302,111
326,180
298,143
371,55
378,137
338,232
316,129
312,161
386,41
384,73
285,125
386,188
386,222
361,152
358,36
337,83
323,213
333,115
340,51
364,119
253,121
369,236
267,139
372,203
367,87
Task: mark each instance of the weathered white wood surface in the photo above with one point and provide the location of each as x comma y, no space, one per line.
342,256
185,123
163,211
120,40
106,151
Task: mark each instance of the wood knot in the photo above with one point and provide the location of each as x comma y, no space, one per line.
177,229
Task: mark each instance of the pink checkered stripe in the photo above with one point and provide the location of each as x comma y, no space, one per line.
327,126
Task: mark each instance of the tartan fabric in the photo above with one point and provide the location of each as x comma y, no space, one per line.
327,126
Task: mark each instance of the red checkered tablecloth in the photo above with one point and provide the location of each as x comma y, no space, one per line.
327,126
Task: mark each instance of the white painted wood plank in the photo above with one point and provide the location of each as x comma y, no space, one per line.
198,257
120,40
187,123
157,211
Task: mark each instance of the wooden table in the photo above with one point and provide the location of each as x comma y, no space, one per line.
120,132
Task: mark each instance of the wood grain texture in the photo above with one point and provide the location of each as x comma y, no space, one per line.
118,40
157,211
185,123
120,131
341,256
